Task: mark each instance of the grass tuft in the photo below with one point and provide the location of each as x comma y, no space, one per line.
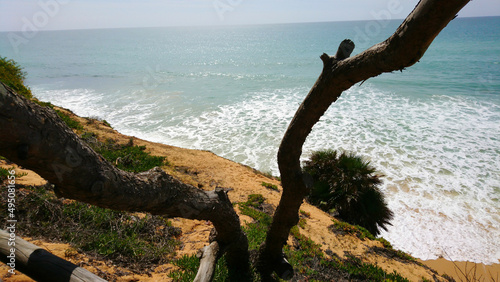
346,228
12,74
270,186
128,157
136,242
70,122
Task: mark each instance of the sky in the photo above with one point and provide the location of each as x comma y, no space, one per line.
26,15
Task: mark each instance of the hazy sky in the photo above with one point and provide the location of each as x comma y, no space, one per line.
18,15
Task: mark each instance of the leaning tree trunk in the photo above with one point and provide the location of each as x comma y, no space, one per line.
36,138
403,49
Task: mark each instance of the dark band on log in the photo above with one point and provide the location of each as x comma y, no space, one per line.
40,264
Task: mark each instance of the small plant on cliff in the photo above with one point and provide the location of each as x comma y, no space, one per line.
348,184
128,157
70,122
13,76
270,186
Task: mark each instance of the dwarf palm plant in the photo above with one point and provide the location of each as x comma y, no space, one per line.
349,185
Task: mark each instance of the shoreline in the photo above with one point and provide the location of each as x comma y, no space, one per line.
465,271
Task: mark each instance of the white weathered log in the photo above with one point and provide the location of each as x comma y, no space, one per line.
208,258
38,263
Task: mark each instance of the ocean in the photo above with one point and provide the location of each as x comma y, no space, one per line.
432,130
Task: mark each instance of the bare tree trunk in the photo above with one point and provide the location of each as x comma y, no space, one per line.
403,49
35,137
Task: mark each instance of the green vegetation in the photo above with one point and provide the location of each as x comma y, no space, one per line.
356,230
306,256
136,242
256,231
347,184
128,157
71,123
188,267
93,119
270,186
132,158
13,76
4,173
304,213
344,228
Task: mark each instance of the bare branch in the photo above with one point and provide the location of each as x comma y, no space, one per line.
36,138
403,49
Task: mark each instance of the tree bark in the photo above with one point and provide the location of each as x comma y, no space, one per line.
403,49
40,264
36,138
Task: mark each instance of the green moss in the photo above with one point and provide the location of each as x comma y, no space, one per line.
255,200
302,223
385,243
133,158
359,270
13,76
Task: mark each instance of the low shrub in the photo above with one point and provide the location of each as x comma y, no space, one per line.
128,157
13,76
347,184
270,186
70,122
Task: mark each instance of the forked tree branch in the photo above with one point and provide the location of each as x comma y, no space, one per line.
403,49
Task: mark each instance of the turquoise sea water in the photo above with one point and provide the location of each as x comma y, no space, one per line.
433,130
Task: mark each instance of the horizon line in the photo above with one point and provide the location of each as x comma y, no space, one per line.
223,25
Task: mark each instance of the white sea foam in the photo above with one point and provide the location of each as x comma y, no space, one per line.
440,155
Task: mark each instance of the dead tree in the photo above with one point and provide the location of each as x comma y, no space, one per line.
34,137
403,49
